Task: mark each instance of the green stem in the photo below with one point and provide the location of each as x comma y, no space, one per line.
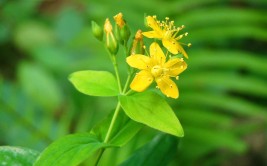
99,156
115,115
116,112
115,65
129,91
112,122
127,83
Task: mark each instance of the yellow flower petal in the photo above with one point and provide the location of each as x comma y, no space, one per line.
157,54
175,67
167,87
152,34
139,61
141,81
174,47
152,23
171,45
181,50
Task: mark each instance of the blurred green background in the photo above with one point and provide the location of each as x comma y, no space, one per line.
223,93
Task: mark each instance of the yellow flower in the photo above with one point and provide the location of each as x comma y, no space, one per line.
168,33
155,67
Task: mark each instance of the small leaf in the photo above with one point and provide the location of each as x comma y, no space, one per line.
95,83
150,109
70,150
123,130
17,156
158,152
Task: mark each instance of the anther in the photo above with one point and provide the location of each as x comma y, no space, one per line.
186,34
189,45
177,77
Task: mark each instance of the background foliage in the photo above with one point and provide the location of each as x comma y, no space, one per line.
223,93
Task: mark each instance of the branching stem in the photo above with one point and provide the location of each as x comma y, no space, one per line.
115,115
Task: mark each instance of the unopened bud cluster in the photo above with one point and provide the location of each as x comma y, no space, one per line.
122,30
113,36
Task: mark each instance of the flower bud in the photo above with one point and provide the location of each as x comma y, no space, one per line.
119,20
97,31
125,33
137,46
111,41
122,31
117,33
145,21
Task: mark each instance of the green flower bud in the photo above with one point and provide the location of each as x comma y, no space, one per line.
112,44
97,31
122,31
111,41
117,33
137,46
125,33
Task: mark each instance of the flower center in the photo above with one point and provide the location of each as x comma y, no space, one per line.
156,71
167,34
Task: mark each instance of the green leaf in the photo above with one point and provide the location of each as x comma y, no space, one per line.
151,109
70,150
17,156
123,130
158,152
95,83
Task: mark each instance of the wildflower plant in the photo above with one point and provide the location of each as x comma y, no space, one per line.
141,100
